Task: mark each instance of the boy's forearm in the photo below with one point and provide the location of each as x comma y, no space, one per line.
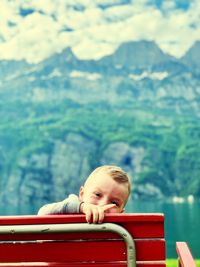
53,208
67,206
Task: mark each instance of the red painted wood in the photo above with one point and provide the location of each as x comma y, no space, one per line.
87,251
58,264
136,230
57,253
82,264
139,225
185,256
75,218
61,236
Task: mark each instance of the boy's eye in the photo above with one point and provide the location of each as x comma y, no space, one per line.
115,202
97,194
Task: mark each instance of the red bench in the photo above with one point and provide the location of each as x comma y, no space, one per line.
185,258
66,240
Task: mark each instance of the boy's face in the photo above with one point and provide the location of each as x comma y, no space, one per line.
101,189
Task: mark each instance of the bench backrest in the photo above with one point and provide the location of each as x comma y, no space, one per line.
185,258
67,240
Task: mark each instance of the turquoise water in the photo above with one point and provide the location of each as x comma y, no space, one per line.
182,221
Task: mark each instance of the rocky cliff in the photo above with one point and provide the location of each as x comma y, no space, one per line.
138,108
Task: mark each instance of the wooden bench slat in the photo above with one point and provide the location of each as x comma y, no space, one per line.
82,264
78,218
139,225
137,231
80,251
185,256
99,249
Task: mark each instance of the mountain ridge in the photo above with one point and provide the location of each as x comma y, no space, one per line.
64,116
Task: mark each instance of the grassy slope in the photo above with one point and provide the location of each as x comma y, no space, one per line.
173,262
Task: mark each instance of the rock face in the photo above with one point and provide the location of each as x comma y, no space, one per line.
192,57
51,176
122,154
138,108
70,164
137,55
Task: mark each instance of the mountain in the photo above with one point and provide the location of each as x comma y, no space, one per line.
192,57
138,108
137,55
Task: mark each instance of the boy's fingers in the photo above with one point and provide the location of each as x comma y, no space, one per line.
108,206
101,215
88,216
95,215
92,215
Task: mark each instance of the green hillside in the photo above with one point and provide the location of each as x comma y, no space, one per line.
171,160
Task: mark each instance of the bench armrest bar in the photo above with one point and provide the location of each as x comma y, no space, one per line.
77,227
185,258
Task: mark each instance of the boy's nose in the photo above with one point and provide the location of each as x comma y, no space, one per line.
103,202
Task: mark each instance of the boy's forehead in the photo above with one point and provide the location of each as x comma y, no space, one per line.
100,179
96,176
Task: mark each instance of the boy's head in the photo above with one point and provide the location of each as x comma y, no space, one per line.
105,185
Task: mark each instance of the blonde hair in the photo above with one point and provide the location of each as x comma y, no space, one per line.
117,173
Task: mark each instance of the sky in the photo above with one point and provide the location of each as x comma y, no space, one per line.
33,30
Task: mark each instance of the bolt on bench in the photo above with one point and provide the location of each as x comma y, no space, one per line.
67,240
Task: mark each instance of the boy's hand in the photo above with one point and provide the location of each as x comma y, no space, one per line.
94,213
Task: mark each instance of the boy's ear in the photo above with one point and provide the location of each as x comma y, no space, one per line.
81,193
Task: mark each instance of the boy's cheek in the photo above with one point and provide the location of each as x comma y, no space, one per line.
92,200
114,210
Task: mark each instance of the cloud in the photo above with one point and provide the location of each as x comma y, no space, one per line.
178,27
31,41
168,5
93,28
88,49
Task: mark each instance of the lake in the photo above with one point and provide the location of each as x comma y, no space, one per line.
182,220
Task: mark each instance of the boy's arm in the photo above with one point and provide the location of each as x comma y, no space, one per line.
68,205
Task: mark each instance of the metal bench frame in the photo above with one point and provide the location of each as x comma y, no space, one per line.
76,227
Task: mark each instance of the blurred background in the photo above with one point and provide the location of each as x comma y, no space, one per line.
91,82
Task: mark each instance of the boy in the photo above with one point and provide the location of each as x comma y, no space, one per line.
106,190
